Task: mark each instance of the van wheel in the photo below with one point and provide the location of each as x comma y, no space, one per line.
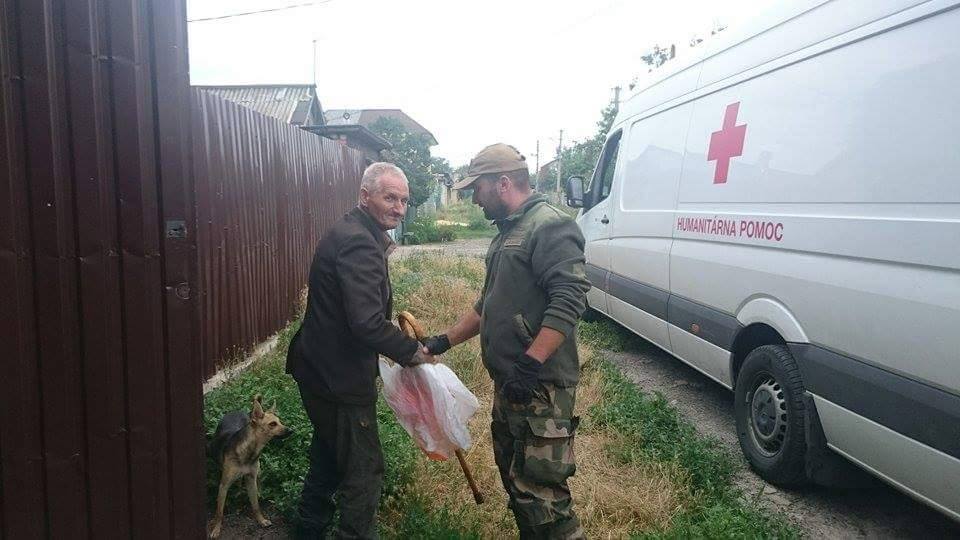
591,315
770,415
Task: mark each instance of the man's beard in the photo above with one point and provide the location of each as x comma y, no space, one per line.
495,210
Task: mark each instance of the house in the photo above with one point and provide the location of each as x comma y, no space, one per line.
352,127
366,117
546,176
445,194
295,104
354,136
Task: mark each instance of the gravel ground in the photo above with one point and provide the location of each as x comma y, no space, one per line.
875,512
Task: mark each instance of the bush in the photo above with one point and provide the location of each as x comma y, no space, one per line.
479,223
465,212
424,230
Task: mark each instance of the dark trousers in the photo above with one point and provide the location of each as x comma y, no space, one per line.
345,459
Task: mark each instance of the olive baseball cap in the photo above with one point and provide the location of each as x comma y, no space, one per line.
495,158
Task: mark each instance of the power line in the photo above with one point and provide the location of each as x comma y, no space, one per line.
258,11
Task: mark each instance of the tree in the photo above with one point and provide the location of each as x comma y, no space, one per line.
439,165
410,152
607,116
580,158
458,173
658,55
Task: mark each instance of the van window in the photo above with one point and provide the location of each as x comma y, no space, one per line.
652,160
603,175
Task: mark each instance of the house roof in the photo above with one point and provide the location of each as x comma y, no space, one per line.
359,133
291,103
366,117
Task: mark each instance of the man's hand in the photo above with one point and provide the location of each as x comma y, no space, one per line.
436,344
418,358
523,381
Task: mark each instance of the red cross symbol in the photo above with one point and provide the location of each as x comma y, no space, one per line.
726,143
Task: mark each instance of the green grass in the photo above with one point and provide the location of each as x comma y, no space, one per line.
653,431
608,335
283,464
650,432
417,522
417,266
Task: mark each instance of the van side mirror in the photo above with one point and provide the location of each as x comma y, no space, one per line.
574,191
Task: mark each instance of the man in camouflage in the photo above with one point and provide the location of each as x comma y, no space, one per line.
526,317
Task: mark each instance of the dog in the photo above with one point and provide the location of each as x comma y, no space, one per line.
236,447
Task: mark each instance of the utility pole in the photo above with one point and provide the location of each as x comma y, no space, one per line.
616,96
314,78
537,156
559,164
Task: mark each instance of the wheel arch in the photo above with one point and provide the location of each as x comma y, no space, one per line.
765,321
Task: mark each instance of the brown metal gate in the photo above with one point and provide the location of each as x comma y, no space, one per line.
101,431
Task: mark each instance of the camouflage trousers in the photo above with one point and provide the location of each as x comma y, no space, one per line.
533,448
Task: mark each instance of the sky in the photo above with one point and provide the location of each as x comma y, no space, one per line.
472,72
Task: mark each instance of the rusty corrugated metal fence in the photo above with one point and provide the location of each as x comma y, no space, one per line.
265,190
126,269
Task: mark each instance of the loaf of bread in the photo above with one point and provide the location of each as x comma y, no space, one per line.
411,326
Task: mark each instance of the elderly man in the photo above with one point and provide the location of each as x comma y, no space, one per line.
333,358
526,316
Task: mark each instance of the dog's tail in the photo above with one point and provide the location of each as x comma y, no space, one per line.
231,426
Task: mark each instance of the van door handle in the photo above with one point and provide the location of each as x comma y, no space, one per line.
604,220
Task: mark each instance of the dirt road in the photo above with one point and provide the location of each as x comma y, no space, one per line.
876,512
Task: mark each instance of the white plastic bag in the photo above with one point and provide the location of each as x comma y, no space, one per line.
431,404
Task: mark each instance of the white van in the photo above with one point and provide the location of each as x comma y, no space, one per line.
783,214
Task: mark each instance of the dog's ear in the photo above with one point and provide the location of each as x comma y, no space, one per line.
256,412
273,408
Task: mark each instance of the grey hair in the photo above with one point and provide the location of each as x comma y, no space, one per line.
375,171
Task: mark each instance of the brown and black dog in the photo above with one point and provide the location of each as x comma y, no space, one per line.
236,447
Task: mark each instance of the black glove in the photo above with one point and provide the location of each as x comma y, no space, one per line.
523,381
437,344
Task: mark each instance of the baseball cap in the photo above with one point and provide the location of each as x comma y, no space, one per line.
495,158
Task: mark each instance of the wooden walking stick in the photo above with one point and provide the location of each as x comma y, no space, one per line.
477,496
411,326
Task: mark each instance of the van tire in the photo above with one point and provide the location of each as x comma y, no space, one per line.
591,315
774,445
